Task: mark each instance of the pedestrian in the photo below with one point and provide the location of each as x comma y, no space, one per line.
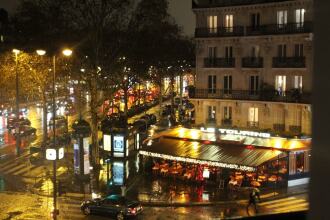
254,194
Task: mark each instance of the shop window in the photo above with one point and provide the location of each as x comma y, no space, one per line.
300,159
211,112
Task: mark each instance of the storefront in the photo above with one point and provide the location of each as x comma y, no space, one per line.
256,157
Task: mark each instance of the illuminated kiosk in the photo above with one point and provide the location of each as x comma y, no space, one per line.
118,140
272,161
81,134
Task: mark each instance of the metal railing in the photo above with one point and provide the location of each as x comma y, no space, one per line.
219,62
267,29
272,29
254,95
227,122
252,124
220,31
252,62
289,62
226,3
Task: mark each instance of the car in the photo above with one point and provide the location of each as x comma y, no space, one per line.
114,205
59,121
12,122
25,130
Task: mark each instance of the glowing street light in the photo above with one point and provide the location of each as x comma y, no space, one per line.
41,52
67,52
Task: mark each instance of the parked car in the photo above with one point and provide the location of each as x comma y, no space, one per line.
25,130
113,205
11,122
59,121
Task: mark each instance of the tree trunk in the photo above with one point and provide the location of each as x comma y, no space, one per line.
44,117
126,103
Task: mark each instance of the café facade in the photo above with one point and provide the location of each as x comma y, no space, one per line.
258,158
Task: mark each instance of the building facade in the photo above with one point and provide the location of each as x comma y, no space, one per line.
254,64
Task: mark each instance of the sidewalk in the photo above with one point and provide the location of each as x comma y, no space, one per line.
166,192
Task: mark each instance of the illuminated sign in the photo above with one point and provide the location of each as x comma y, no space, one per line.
86,156
107,142
196,161
61,153
206,173
118,144
244,133
50,154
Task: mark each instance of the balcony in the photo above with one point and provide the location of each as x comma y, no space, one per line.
220,32
226,3
227,122
252,62
289,62
219,62
211,121
252,124
273,29
279,127
252,95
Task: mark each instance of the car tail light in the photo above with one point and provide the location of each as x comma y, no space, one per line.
132,210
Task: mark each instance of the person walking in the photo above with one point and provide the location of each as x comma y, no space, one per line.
254,194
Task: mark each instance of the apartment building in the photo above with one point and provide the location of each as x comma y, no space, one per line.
254,64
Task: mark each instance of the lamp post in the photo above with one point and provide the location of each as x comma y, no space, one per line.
54,153
17,129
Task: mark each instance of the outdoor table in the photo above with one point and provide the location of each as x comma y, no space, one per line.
255,183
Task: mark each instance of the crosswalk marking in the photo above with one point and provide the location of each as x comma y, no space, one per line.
264,196
293,208
276,201
70,208
289,204
286,203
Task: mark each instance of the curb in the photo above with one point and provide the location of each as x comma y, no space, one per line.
191,204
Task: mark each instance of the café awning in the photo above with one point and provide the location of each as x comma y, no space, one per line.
224,155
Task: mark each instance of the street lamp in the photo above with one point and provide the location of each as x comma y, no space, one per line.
17,130
54,153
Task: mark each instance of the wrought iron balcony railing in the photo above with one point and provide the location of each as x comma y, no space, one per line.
252,62
289,62
220,31
254,95
226,3
272,29
219,62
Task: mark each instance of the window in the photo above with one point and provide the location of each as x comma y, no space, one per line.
227,112
281,50
300,17
211,112
227,84
212,52
300,161
255,20
255,51
254,85
229,52
253,114
229,23
297,83
280,85
212,82
282,18
212,23
298,50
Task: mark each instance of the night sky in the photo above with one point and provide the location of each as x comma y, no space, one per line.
179,9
